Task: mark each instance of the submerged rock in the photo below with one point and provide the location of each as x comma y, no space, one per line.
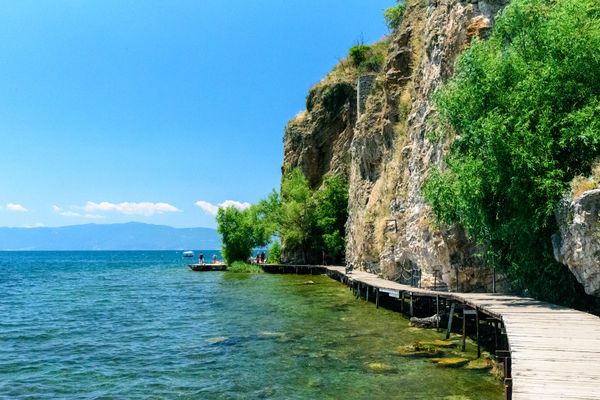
217,340
381,368
450,362
481,363
419,349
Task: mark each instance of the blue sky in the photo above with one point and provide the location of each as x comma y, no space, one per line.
115,111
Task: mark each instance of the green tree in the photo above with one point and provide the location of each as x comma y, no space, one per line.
297,213
237,234
243,230
331,214
275,253
525,109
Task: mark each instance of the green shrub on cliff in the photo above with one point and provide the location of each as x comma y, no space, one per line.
525,106
393,15
366,58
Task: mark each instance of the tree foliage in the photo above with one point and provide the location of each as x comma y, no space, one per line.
525,106
297,212
300,221
237,234
367,58
331,214
243,230
393,15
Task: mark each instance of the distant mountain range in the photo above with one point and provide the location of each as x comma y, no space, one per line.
128,236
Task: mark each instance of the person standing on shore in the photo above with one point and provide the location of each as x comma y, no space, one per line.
201,258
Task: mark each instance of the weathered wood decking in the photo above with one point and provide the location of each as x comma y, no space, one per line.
554,350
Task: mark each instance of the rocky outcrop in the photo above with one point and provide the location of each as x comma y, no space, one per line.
318,140
577,245
391,230
386,152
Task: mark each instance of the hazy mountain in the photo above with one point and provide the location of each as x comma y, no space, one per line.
129,236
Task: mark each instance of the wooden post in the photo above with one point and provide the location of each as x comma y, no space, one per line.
402,303
449,329
495,336
508,388
367,293
411,305
437,311
377,298
477,325
457,287
464,328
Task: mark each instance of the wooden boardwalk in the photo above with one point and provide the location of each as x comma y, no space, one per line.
554,351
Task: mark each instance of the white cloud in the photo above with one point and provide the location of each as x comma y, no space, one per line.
36,225
64,213
212,209
94,216
75,212
207,207
15,207
144,208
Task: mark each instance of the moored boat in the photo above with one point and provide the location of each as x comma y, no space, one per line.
208,267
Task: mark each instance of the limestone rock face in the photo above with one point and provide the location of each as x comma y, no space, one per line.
386,154
391,230
577,245
318,140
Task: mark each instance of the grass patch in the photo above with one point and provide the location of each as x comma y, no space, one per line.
244,268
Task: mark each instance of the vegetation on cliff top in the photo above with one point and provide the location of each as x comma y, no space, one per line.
525,108
394,15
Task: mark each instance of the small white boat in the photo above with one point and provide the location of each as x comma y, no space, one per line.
188,253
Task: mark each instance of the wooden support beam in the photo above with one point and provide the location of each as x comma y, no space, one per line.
464,333
464,329
449,329
478,339
495,336
411,305
377,298
367,292
437,311
402,303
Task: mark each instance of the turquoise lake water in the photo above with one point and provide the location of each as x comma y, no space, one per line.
140,325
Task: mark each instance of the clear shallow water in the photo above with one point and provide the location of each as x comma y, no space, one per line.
141,325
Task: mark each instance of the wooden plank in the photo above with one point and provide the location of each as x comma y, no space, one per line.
555,351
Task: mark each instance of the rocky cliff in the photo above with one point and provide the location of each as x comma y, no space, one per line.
577,245
385,151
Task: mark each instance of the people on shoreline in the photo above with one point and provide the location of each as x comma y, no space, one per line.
263,256
201,258
214,259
